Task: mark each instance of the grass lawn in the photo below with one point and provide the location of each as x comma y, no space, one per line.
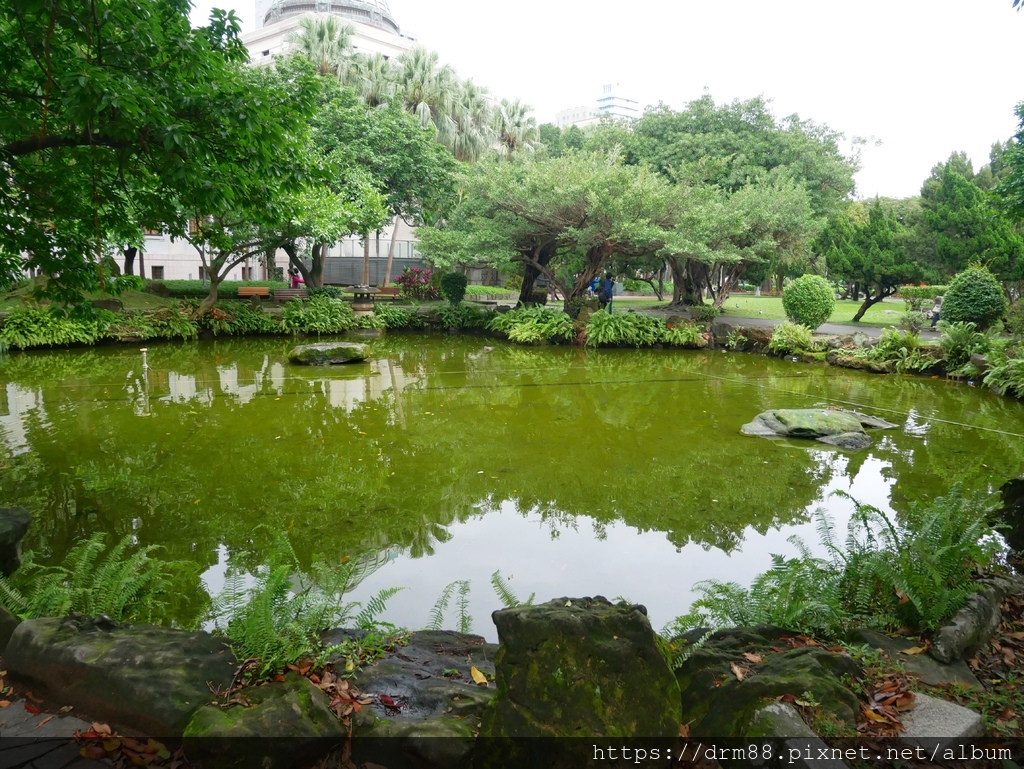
885,313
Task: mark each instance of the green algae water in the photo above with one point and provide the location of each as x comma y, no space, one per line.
571,472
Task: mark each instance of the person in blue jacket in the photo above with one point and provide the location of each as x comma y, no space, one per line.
604,292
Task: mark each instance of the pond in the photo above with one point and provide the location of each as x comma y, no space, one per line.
571,472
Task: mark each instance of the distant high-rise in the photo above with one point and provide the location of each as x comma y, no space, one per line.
611,104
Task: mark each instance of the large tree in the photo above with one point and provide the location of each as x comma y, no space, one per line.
114,113
868,254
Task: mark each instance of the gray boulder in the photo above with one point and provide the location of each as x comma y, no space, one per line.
14,523
146,678
581,667
977,622
719,703
286,723
328,354
836,427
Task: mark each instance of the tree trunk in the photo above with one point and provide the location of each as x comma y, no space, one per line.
871,300
129,260
142,264
315,278
211,298
391,253
366,260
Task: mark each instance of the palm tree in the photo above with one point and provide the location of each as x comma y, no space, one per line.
374,78
471,132
326,42
515,128
427,89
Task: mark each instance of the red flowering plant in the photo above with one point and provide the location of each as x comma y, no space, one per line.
416,283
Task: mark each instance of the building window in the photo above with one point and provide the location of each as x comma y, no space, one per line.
150,232
157,271
246,272
266,53
193,226
202,273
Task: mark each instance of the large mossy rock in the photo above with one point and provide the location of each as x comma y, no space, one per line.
328,354
836,427
286,723
718,703
14,523
581,667
146,678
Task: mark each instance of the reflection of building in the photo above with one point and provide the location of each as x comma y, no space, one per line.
612,103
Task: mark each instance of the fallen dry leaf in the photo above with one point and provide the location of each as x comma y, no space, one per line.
101,729
33,697
737,671
684,730
5,703
751,657
31,708
477,676
44,721
915,650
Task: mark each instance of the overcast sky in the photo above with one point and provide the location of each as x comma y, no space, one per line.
923,77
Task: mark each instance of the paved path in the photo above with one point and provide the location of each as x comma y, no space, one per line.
835,329
40,741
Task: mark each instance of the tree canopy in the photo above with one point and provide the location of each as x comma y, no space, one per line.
119,116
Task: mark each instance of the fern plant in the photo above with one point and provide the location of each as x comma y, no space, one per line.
959,341
125,585
505,593
280,617
459,590
789,338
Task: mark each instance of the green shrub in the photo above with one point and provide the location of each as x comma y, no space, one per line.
173,323
397,317
37,327
331,292
453,287
974,296
913,321
126,586
528,325
904,350
959,341
809,300
1006,374
704,313
916,297
628,328
684,335
913,571
318,315
462,317
489,291
539,296
1015,318
789,338
279,619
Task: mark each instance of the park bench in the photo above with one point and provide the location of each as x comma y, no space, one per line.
250,291
389,292
285,294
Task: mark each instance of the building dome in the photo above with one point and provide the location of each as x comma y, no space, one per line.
374,13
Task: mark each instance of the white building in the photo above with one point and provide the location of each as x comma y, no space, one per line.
376,31
612,103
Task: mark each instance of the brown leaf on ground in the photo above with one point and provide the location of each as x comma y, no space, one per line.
46,720
751,657
737,671
684,730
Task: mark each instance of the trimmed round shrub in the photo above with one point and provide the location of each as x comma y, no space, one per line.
453,286
975,296
809,300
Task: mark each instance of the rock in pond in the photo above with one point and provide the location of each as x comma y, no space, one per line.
835,427
328,354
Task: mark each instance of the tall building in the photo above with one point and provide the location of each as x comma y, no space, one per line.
376,30
612,103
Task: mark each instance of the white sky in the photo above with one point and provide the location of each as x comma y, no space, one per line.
924,77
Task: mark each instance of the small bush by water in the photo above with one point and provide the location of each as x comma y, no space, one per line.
809,300
915,571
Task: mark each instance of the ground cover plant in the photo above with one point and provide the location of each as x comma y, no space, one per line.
912,570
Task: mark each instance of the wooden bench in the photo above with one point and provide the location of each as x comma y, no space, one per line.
388,292
285,294
250,291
